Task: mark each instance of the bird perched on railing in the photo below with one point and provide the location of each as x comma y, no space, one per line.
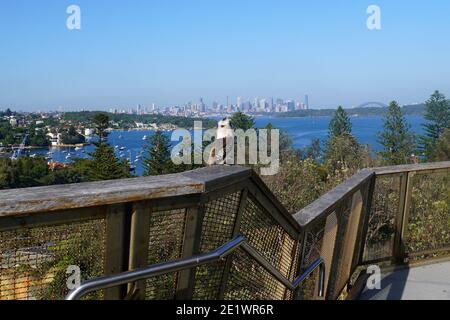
223,144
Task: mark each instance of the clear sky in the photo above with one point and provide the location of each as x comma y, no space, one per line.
171,52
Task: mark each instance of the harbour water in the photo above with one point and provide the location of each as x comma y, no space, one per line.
130,144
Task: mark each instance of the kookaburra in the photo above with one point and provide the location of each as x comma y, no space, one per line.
223,144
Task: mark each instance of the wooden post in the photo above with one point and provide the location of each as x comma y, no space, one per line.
339,228
365,218
139,242
117,231
401,220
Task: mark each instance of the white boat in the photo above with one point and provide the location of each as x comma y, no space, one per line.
78,148
33,155
144,138
122,148
117,147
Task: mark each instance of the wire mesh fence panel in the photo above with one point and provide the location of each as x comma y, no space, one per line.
269,238
381,225
428,226
165,244
34,262
250,281
217,229
272,241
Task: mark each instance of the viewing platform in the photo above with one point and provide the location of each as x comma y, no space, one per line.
220,233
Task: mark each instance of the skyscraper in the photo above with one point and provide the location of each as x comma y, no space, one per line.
271,109
306,102
202,105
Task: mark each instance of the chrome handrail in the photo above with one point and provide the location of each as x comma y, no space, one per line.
196,261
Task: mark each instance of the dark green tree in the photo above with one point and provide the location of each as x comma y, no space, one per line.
340,123
313,151
101,123
104,165
442,150
396,139
158,160
38,138
23,173
71,136
343,154
438,119
240,120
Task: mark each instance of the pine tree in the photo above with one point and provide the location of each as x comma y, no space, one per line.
442,151
158,161
101,123
340,124
240,120
438,117
343,153
104,164
396,139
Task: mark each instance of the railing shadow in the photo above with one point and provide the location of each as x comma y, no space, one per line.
392,286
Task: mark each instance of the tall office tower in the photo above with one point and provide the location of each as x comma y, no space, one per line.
262,104
238,103
202,105
306,102
215,106
270,104
290,105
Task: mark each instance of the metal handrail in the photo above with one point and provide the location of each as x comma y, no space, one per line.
187,263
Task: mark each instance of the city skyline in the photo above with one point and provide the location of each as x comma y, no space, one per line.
169,53
200,107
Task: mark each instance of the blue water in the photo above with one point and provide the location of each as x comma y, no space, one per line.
304,130
301,130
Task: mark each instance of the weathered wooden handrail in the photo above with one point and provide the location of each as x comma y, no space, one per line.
328,202
412,167
82,195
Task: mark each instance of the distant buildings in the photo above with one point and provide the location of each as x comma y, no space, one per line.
200,109
55,139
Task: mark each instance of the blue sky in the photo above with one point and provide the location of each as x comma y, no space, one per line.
170,52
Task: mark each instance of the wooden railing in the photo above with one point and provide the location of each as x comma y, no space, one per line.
110,227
